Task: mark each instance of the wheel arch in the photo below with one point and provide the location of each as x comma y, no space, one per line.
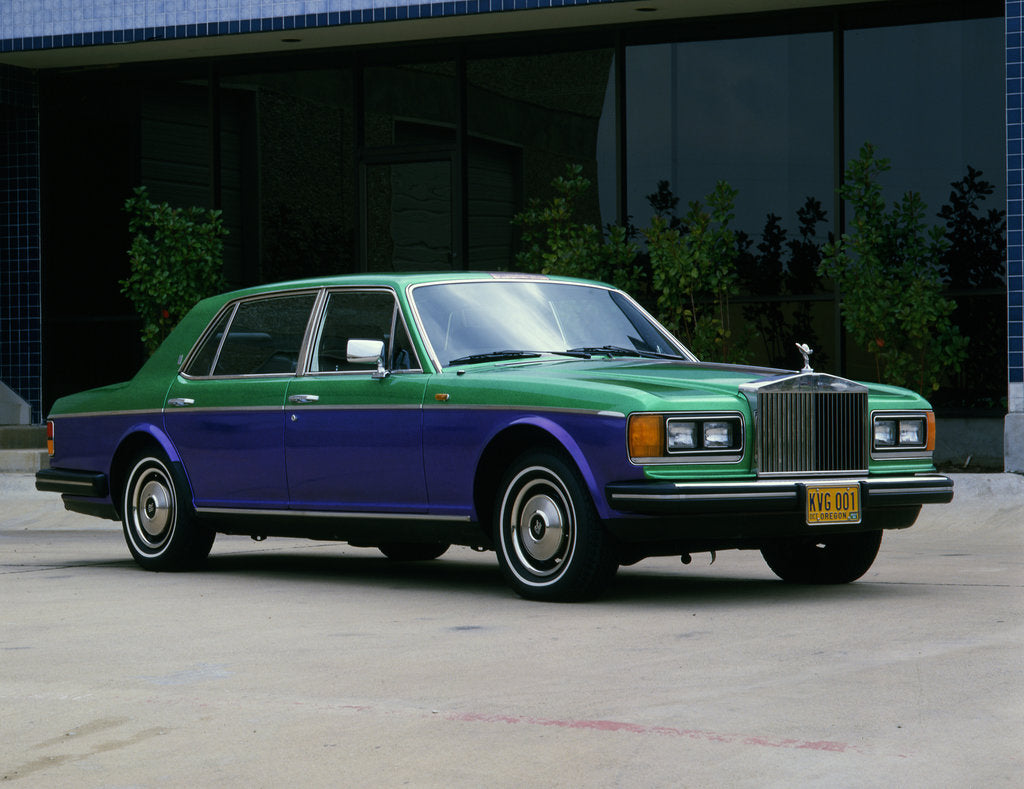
139,439
511,442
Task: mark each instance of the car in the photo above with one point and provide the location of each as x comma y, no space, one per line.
549,419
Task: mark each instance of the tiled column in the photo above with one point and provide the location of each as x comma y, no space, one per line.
1014,430
20,303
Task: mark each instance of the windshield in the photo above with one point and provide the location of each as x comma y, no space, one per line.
478,321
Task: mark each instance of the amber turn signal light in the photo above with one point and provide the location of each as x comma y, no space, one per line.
646,435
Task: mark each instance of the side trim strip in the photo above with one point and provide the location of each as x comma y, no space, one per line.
350,407
138,412
330,514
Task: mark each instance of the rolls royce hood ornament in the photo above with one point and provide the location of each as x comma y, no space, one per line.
805,351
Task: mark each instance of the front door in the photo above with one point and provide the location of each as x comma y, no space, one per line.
353,440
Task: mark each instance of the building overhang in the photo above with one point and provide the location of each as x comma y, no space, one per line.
70,47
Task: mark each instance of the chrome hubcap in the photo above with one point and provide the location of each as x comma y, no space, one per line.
152,509
540,528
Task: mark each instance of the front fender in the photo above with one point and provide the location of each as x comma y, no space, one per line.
570,445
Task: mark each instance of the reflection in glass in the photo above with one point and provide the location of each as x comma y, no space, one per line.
423,93
409,216
755,112
930,98
264,336
538,114
472,318
302,135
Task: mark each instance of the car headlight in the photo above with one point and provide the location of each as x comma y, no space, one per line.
903,432
677,438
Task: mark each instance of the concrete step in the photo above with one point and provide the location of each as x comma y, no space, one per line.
23,461
22,437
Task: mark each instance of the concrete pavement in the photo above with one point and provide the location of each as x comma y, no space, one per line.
290,662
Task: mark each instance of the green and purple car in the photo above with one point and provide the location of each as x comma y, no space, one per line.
548,419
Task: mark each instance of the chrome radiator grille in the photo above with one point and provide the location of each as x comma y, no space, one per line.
812,432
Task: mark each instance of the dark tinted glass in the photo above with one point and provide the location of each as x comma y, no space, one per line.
265,336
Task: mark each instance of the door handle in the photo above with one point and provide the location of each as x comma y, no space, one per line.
181,401
298,399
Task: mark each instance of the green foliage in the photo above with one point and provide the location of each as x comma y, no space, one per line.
973,263
554,241
693,271
778,278
176,259
692,264
976,255
887,269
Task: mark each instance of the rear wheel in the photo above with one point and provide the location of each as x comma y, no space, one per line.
836,559
159,525
550,542
413,551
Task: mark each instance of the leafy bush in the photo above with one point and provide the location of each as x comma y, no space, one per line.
554,241
693,271
176,259
691,259
887,269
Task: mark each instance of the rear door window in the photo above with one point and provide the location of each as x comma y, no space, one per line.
259,337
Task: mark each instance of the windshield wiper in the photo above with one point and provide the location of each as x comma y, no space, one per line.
492,356
617,350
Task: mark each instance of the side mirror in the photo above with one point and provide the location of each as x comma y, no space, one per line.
367,352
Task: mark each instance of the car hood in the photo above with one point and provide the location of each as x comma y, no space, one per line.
626,385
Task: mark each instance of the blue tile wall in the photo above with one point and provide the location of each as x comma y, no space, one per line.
20,301
1015,200
47,24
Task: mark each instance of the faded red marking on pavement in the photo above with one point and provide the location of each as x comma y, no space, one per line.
667,731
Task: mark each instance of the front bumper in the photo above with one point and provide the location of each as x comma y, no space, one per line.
770,495
747,512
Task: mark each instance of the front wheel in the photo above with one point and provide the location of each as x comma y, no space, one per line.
550,542
159,526
835,559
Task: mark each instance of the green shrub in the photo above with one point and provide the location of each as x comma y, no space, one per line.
176,259
693,271
554,241
887,268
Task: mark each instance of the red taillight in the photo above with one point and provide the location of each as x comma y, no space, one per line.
49,438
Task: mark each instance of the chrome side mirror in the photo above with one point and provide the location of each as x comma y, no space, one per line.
367,352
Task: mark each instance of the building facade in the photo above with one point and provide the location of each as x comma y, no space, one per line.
348,135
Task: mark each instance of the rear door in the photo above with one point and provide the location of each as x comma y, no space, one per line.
225,411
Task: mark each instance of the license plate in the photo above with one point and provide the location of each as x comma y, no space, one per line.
833,504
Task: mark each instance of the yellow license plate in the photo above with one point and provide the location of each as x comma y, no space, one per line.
833,504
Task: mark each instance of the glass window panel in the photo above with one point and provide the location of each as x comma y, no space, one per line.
422,93
930,98
409,216
754,112
300,128
265,336
360,315
529,119
202,362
